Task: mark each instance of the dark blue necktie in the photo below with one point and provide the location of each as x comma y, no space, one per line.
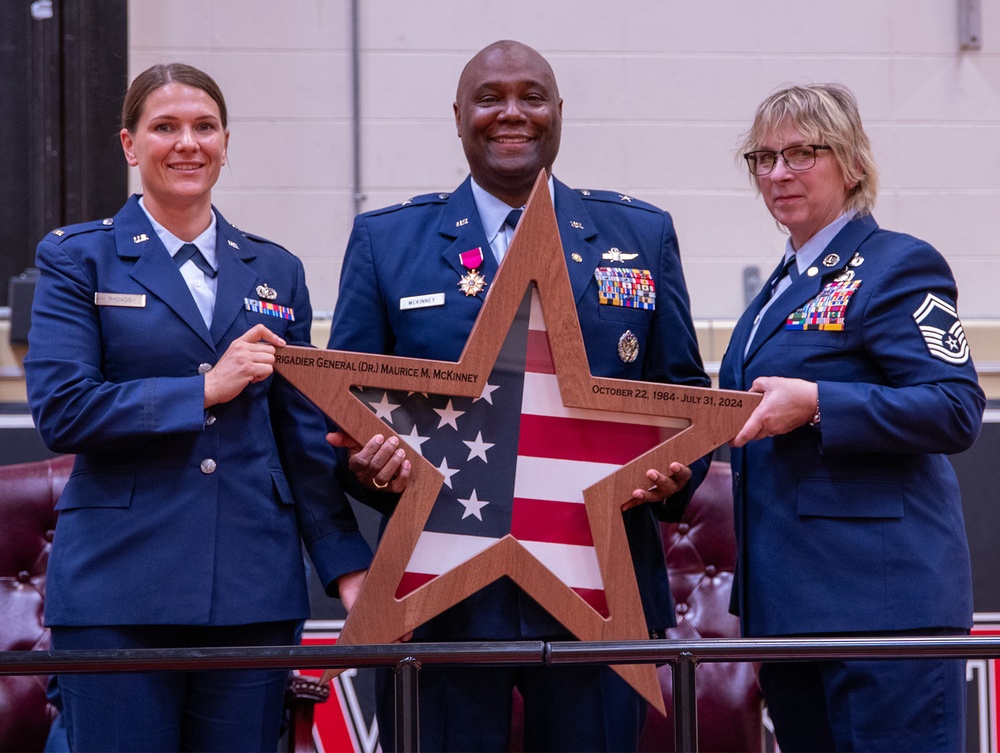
513,217
791,269
190,251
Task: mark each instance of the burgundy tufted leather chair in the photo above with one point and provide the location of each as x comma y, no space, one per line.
701,556
28,493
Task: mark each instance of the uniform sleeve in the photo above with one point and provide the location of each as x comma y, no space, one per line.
326,521
360,321
360,324
673,354
929,400
74,407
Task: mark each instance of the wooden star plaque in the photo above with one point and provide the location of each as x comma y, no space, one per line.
687,422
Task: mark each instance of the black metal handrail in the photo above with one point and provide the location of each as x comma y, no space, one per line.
683,657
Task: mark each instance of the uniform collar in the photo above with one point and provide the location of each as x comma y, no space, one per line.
205,242
816,245
492,211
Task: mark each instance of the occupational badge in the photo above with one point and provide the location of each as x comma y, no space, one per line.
942,330
846,276
628,347
613,254
266,292
857,260
472,282
831,260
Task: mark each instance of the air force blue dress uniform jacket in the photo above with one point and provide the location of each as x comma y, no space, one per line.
175,514
857,525
414,248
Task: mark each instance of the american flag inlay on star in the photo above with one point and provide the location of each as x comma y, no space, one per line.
515,462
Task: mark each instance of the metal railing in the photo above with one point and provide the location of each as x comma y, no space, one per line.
682,656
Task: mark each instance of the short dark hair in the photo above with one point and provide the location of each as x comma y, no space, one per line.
162,74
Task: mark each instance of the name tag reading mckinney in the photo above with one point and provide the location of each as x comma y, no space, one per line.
578,446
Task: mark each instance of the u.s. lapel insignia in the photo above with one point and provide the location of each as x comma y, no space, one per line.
576,225
140,238
462,222
266,292
628,347
576,257
613,254
831,260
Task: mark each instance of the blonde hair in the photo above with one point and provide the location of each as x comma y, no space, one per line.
825,114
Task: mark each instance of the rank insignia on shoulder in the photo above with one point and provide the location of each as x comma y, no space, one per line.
613,254
60,232
942,330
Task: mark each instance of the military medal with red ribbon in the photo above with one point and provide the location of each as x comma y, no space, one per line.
472,283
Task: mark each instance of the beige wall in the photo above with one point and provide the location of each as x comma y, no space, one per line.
656,95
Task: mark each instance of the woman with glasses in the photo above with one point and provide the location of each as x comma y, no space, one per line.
848,515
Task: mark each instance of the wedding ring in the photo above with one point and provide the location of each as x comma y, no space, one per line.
378,485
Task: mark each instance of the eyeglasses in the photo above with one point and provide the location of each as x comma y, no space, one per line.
762,161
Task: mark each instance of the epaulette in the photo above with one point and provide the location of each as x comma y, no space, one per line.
260,239
614,197
62,233
416,201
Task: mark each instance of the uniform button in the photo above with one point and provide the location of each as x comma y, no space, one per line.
24,576
209,419
208,466
682,608
683,529
736,478
204,368
49,535
710,571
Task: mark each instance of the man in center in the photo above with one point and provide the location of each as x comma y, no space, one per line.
508,114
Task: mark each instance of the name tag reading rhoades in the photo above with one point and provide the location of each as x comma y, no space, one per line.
128,300
421,301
